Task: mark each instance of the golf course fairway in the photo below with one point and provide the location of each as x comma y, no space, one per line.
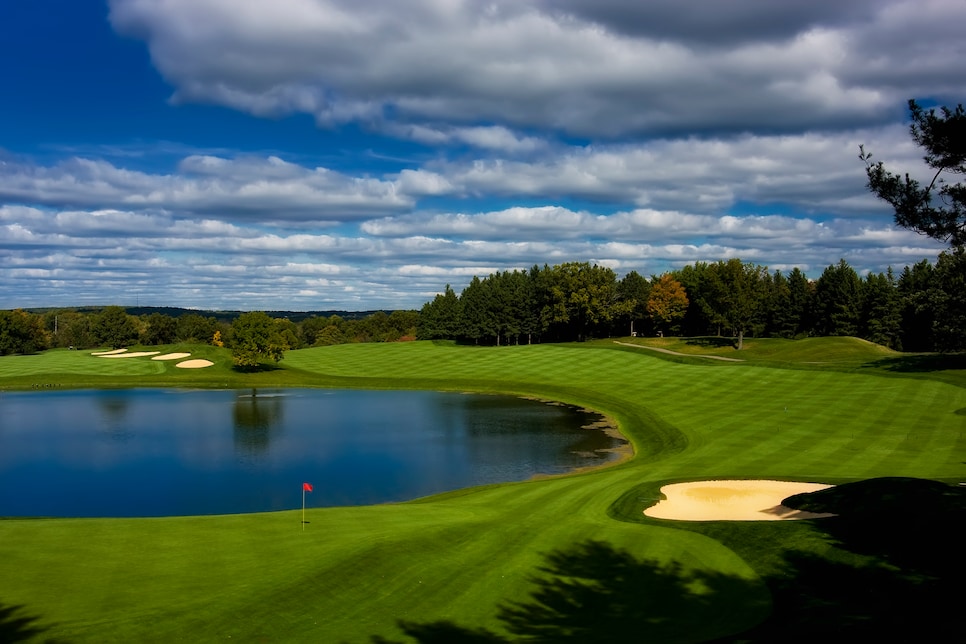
562,559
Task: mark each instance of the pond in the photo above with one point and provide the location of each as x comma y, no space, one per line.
163,452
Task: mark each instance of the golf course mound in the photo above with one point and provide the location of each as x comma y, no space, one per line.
741,500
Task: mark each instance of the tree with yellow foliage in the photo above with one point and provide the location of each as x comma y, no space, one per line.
667,302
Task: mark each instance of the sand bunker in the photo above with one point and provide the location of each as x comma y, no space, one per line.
732,501
129,354
171,356
194,364
108,353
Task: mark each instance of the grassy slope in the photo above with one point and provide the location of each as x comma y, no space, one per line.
456,557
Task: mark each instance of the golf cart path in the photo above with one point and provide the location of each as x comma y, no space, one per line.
676,353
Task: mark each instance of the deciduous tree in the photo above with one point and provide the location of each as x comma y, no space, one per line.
738,295
667,302
22,332
115,328
254,337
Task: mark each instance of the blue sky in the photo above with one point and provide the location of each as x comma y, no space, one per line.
362,154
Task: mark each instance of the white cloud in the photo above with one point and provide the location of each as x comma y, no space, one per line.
574,66
244,188
638,135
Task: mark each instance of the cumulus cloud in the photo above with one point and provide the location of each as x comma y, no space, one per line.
582,67
264,189
819,172
638,135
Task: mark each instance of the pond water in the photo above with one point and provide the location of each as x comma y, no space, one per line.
162,452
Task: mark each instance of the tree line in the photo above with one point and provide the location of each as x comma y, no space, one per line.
923,308
23,332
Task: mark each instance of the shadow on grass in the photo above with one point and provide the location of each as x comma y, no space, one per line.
711,342
920,363
596,593
895,571
16,625
260,368
888,568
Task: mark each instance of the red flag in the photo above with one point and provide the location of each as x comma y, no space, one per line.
307,487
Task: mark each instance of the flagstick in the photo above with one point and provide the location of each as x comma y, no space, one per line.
303,508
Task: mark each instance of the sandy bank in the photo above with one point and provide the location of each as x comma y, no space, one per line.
748,500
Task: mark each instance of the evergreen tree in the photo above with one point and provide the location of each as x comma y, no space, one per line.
800,296
441,318
777,306
881,313
947,299
837,300
916,326
943,137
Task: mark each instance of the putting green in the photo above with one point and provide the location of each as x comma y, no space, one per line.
464,559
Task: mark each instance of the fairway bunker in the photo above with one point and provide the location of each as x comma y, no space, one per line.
184,364
199,363
742,500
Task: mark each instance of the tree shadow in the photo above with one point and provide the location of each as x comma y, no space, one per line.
594,592
444,632
711,342
259,368
920,363
895,572
16,625
888,567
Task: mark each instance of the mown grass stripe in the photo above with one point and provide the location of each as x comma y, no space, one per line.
357,569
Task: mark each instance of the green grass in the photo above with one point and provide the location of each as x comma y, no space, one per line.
824,410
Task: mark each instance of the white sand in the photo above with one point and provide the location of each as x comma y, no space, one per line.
171,356
194,364
133,354
732,501
108,353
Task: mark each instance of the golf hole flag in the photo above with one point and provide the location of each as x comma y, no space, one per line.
306,487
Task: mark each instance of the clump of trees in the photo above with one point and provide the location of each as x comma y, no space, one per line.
24,332
923,309
255,336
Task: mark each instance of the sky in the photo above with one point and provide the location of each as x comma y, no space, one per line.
363,154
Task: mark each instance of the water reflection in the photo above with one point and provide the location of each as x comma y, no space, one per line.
257,420
114,410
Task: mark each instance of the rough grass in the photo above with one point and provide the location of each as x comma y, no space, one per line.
474,560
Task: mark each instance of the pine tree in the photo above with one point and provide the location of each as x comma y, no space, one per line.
943,137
